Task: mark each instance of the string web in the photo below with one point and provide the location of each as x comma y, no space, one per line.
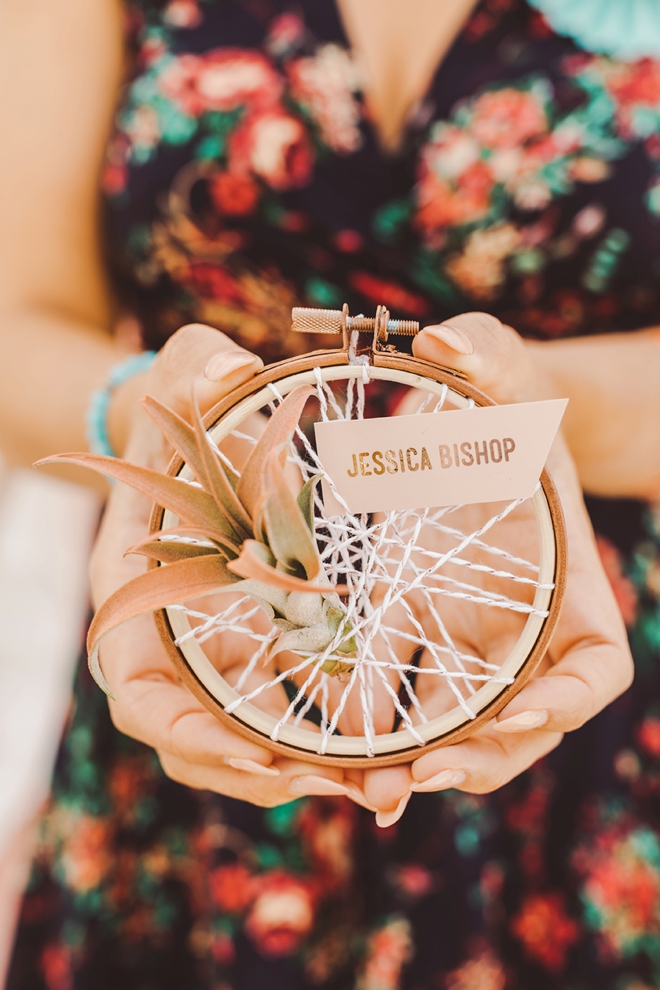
409,575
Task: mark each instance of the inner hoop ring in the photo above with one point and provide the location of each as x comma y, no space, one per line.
210,688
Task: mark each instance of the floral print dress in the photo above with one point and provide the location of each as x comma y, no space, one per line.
243,177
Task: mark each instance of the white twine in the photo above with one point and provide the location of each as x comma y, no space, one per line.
385,563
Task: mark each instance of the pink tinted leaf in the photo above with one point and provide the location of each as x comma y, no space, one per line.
189,503
180,434
250,488
182,437
215,480
252,563
178,582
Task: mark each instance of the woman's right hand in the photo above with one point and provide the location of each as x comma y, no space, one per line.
151,704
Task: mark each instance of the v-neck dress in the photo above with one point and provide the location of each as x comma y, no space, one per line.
242,178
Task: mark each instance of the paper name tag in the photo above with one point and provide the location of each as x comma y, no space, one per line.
458,457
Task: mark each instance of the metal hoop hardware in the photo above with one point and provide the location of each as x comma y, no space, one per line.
339,321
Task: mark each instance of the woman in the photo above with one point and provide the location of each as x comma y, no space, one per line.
488,160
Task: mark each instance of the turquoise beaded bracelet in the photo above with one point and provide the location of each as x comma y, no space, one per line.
96,417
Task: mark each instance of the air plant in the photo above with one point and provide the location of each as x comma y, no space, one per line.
252,536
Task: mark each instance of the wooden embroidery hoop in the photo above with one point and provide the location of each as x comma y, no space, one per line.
385,363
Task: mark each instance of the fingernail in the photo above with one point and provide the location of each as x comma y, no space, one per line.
452,337
225,363
523,721
309,783
386,818
441,781
251,766
357,795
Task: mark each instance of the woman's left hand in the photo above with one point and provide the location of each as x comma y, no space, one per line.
588,663
151,704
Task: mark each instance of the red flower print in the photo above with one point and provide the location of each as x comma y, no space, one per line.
115,172
127,781
231,77
648,735
633,86
389,293
178,82
454,186
484,973
113,179
234,195
221,80
327,825
56,967
546,930
507,118
182,13
621,888
324,84
347,241
451,151
636,82
413,880
222,949
273,145
152,49
212,282
480,270
86,854
231,888
622,586
282,913
589,221
388,950
585,169
627,765
142,128
286,31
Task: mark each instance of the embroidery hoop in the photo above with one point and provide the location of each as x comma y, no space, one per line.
380,361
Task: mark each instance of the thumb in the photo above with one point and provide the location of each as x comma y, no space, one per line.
204,356
492,355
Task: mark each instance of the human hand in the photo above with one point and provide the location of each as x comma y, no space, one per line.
588,663
151,704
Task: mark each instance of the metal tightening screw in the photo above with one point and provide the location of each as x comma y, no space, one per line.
331,321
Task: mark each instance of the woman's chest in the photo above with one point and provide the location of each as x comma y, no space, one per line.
244,173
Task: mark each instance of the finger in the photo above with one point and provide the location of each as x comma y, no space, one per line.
568,695
199,353
591,659
155,708
491,354
295,780
388,791
488,761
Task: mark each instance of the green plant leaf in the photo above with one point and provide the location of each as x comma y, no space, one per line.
289,537
250,488
169,585
305,501
169,551
310,639
223,544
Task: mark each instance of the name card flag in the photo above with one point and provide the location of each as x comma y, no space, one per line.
454,457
